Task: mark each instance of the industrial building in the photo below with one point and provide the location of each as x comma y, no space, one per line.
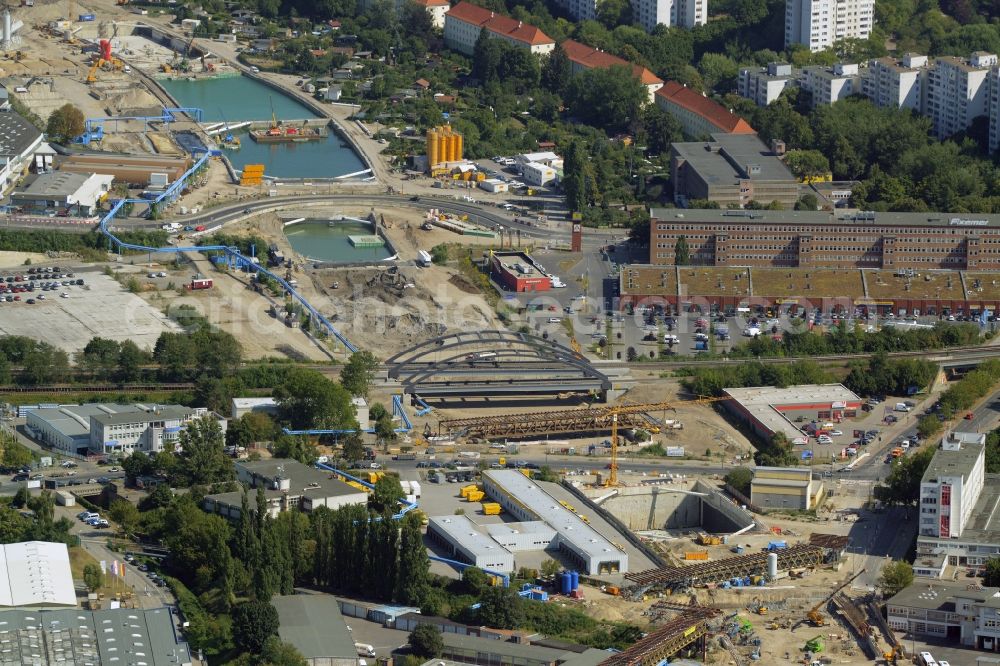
699,116
36,574
731,170
76,194
134,170
288,485
537,174
102,637
820,239
464,649
111,429
517,271
464,22
575,539
963,614
242,406
767,409
465,542
19,140
314,625
790,488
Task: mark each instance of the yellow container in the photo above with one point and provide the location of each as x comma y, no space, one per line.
491,508
468,489
700,555
476,496
433,148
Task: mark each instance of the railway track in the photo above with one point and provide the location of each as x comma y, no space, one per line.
97,388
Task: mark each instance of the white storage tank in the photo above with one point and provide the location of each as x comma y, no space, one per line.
772,566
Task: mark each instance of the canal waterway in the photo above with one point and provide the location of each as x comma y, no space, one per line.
239,98
322,241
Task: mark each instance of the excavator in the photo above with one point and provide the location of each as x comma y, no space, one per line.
892,656
104,61
813,616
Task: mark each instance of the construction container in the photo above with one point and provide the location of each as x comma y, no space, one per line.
696,555
476,496
466,490
613,590
708,540
491,509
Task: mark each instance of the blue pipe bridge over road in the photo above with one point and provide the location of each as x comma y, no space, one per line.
234,258
493,363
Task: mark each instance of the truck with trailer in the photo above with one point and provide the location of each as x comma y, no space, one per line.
424,258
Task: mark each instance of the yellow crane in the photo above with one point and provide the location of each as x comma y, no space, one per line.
657,406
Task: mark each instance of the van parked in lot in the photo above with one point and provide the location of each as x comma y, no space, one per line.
902,407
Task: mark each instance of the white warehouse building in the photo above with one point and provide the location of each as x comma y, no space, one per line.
575,539
538,174
465,542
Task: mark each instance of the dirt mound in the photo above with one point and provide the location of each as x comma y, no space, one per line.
463,283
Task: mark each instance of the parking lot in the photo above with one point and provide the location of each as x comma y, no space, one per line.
98,307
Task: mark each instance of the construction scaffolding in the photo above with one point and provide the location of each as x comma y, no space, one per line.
531,424
741,566
663,643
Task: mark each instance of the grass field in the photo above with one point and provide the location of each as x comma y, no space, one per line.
925,284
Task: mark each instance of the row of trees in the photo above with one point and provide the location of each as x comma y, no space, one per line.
882,375
712,381
842,339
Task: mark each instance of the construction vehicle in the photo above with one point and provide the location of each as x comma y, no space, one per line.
761,610
814,644
813,616
891,656
708,539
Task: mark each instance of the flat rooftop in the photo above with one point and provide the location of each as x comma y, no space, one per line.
57,184
984,524
463,531
36,573
941,595
302,477
75,636
566,523
314,625
510,259
948,462
142,414
766,403
729,157
863,220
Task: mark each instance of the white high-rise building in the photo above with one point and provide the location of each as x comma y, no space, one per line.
764,86
994,109
647,13
819,23
830,84
952,484
958,91
893,83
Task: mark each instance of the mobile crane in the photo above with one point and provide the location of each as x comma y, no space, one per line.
813,616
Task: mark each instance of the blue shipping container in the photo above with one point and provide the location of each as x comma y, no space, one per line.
87,17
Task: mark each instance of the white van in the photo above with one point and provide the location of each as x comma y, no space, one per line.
89,516
902,407
751,332
364,650
925,659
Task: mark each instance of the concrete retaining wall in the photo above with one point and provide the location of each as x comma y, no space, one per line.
720,515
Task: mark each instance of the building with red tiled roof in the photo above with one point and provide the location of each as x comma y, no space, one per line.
583,57
437,9
464,22
699,116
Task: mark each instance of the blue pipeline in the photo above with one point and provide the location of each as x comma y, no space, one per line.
168,116
424,407
233,256
462,566
405,506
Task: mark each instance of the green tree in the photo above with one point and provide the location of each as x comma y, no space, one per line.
387,492
550,567
439,254
610,99
426,641
65,124
718,71
353,447
902,486
306,399
578,177
682,255
15,455
556,70
202,459
895,577
278,653
740,478
501,608
92,577
613,13
662,129
414,565
928,426
991,573
807,163
359,372
125,514
253,623
130,361
807,201
475,580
